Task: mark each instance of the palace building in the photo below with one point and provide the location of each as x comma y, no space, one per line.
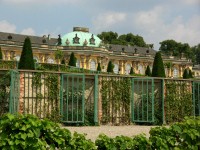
89,51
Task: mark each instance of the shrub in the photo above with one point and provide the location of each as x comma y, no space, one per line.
29,132
148,71
185,74
158,67
99,67
190,74
131,71
26,59
110,67
1,57
72,60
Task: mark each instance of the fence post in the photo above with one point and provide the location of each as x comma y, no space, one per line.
96,99
163,102
11,93
61,96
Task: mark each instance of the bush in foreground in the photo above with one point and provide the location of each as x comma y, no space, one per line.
29,132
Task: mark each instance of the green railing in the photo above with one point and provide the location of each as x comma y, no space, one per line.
196,98
142,99
98,99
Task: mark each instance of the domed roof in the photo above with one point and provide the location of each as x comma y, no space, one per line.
80,37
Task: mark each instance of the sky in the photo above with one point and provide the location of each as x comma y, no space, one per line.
154,20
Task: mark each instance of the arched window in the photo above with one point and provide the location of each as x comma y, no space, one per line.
92,65
140,69
50,60
78,63
17,58
128,69
175,73
116,68
35,58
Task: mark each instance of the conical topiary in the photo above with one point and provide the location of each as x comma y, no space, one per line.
99,67
1,56
26,60
131,71
110,67
72,60
190,74
148,71
185,74
158,67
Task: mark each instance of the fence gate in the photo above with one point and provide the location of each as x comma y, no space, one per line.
72,98
142,99
196,98
14,91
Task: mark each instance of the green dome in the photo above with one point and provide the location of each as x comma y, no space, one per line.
79,38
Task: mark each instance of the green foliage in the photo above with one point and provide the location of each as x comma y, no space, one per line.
185,74
131,71
158,67
190,74
58,55
28,132
4,92
183,135
148,71
26,59
105,143
124,39
99,67
63,61
72,60
178,101
110,67
1,56
115,92
79,142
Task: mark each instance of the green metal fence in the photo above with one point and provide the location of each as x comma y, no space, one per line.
142,100
196,98
72,98
14,92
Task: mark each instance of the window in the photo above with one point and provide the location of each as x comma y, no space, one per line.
92,65
17,58
116,68
140,69
78,63
175,73
50,60
35,59
128,69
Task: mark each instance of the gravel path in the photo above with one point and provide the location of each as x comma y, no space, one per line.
111,131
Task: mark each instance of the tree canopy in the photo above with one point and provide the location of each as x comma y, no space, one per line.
26,60
110,67
99,67
124,39
148,71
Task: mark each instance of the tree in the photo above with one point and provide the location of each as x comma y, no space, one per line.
72,60
131,71
110,67
108,37
158,67
190,74
58,55
148,71
99,67
63,61
1,56
26,60
185,74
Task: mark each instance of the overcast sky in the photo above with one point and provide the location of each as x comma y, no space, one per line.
154,20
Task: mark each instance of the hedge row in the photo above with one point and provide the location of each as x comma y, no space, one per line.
29,132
